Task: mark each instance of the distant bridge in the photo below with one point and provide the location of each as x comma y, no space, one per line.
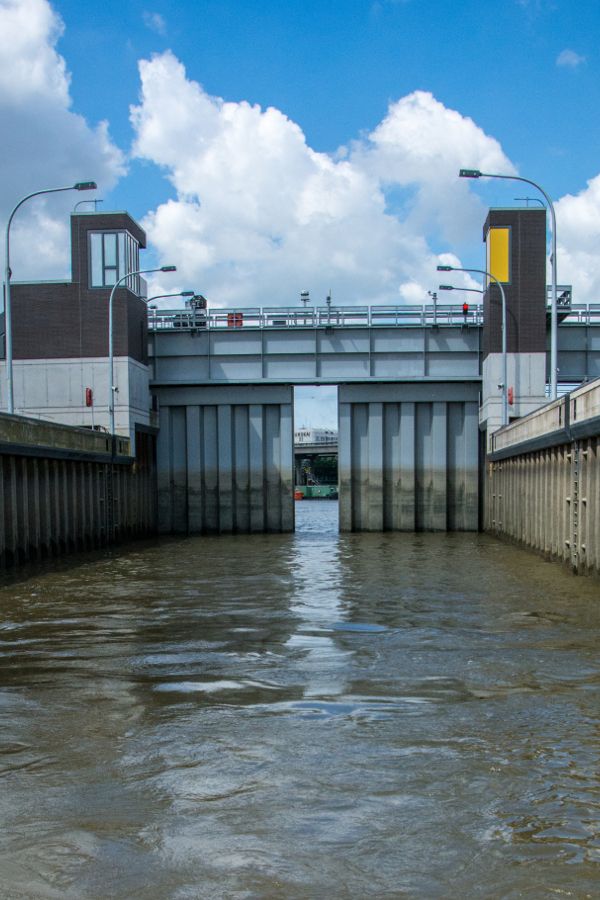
320,449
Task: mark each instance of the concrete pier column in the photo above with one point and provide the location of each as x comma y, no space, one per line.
225,459
408,457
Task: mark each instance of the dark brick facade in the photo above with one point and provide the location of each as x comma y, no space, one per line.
526,292
69,319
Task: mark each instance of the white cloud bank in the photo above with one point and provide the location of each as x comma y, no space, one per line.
44,143
260,216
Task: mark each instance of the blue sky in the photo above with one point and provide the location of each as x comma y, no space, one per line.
524,72
333,67
273,147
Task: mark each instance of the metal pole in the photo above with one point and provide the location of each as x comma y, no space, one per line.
112,387
7,275
504,357
504,347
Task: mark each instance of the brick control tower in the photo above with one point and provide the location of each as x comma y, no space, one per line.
60,333
515,242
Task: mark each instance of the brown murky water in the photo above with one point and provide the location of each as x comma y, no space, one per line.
304,716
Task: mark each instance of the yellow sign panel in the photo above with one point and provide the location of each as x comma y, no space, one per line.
498,252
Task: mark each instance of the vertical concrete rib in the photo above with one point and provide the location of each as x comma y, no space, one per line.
594,506
430,451
76,507
286,466
360,466
194,470
392,472
256,452
272,453
3,560
163,472
23,512
12,517
210,456
225,461
374,498
179,470
345,466
423,484
408,486
439,466
35,510
583,504
241,470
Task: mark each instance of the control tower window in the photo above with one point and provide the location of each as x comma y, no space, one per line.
112,255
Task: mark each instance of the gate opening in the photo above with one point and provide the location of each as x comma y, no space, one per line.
315,446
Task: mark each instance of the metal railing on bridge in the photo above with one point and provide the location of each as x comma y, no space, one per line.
418,316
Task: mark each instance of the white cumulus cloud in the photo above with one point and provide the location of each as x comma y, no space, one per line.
44,143
569,59
259,215
578,239
155,22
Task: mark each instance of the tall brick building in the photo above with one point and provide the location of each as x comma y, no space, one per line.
60,332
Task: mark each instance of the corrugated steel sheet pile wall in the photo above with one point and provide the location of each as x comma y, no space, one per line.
543,480
61,491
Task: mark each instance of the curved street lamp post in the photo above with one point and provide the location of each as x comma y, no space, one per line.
454,287
79,186
176,294
504,353
112,387
475,173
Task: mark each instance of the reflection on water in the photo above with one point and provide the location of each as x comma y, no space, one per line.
308,715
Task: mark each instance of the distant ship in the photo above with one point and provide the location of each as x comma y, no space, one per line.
311,439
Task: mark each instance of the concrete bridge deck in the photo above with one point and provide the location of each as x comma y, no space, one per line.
345,344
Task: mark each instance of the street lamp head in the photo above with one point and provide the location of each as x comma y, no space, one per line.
469,173
445,268
168,269
187,293
85,186
446,287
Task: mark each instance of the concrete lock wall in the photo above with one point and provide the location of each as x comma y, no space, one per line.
225,459
543,480
61,491
408,457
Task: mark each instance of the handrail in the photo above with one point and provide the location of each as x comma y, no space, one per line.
315,317
289,317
